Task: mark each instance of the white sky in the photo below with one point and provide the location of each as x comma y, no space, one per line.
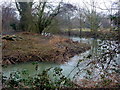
101,4
104,4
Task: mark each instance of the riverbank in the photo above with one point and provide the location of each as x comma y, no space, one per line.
26,47
103,34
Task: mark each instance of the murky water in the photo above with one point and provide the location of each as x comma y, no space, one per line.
68,68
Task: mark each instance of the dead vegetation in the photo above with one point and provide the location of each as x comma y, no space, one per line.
35,47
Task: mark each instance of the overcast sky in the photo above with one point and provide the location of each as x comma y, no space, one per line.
101,4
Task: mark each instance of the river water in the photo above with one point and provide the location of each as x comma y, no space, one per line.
69,68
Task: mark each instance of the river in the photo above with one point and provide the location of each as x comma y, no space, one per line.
69,68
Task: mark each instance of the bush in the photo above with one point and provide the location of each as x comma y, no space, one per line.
42,80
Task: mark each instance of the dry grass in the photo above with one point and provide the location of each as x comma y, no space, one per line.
34,45
58,39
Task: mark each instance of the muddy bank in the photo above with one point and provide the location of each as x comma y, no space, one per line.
34,47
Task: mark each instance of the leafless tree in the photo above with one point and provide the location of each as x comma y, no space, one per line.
9,16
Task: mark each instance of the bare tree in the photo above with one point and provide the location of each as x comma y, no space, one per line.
69,11
8,16
44,18
93,18
25,12
37,18
116,18
81,18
